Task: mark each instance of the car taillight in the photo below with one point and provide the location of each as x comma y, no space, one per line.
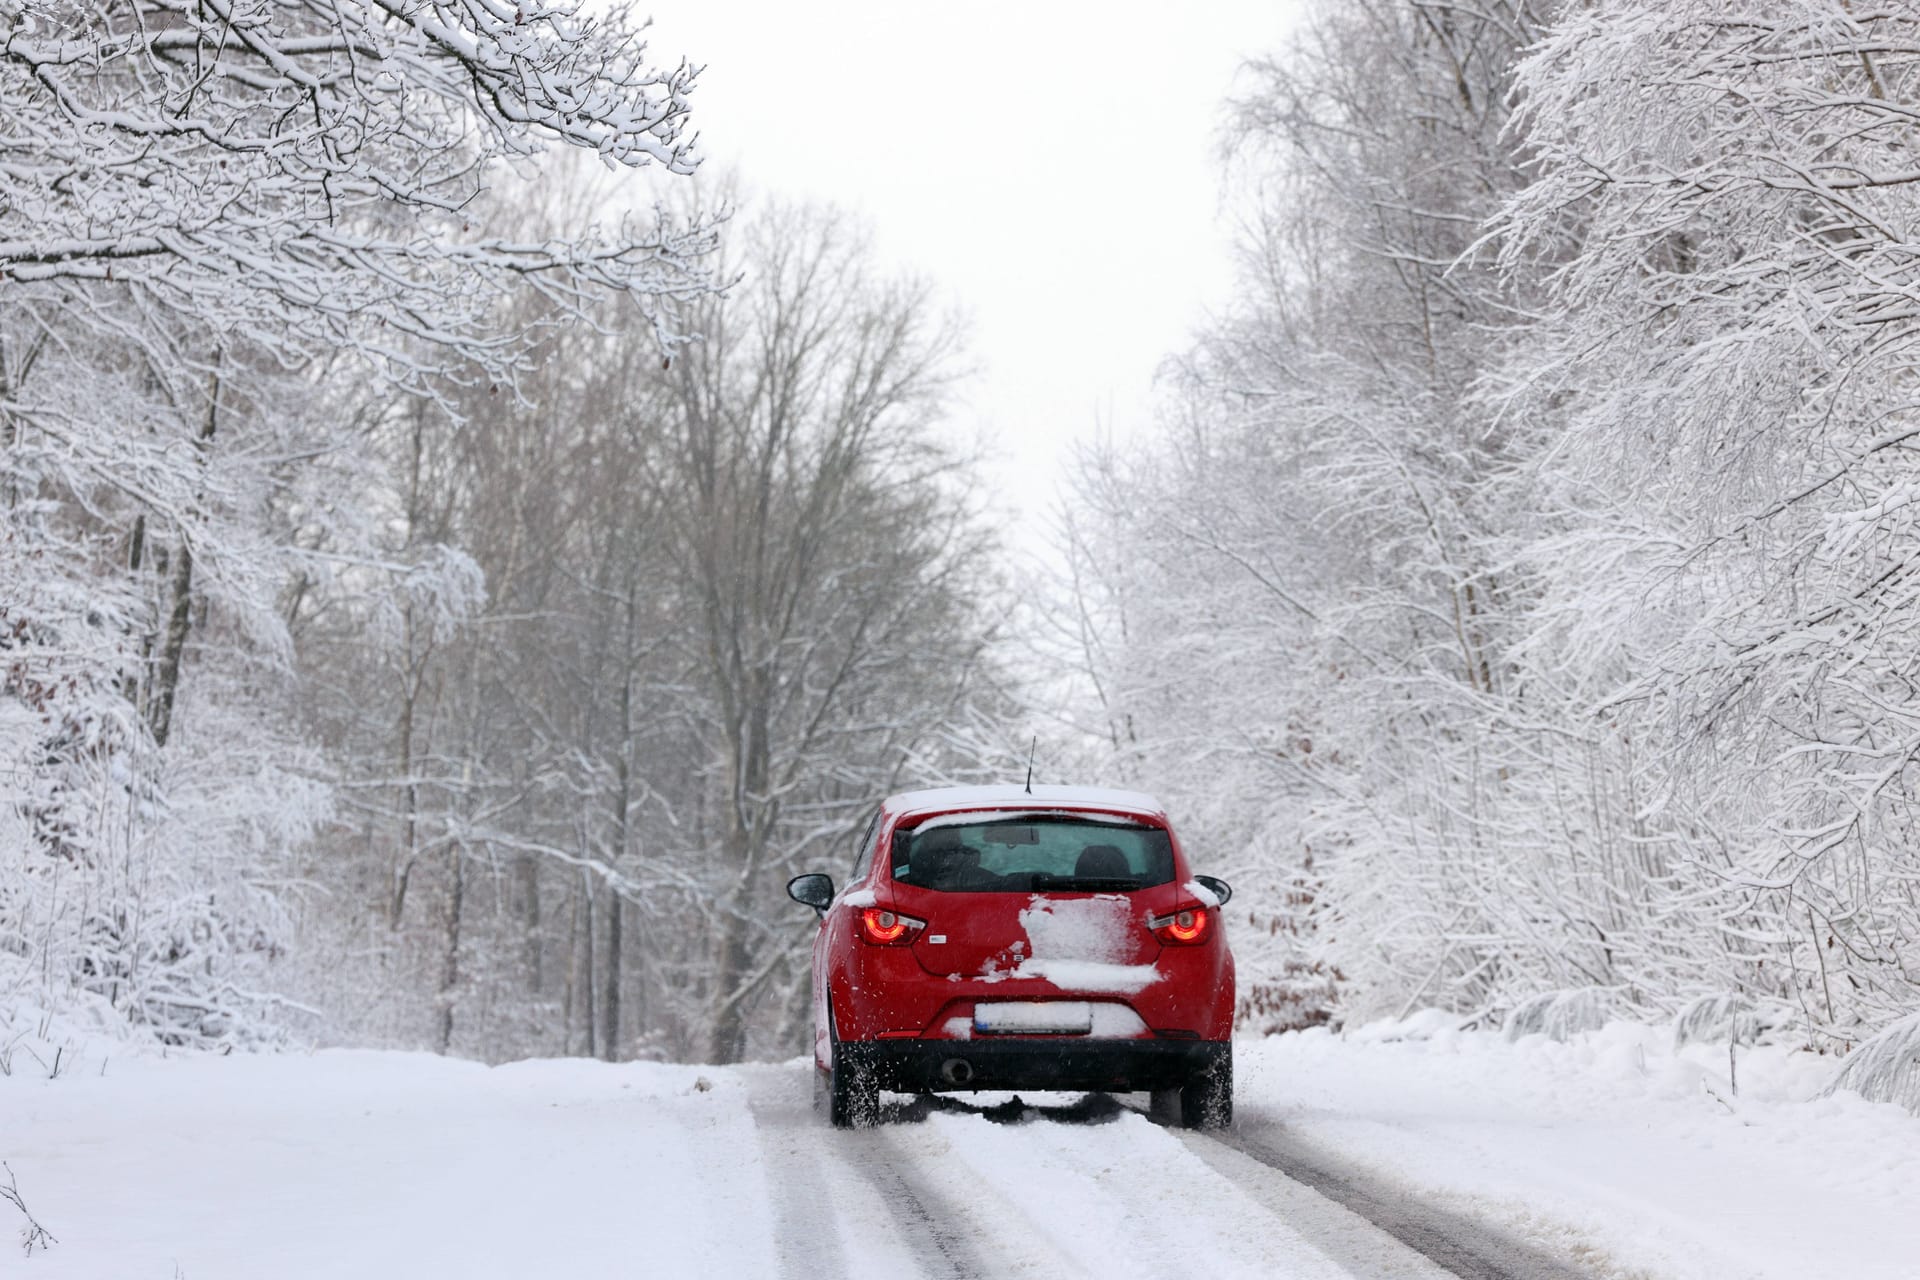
885,928
1182,928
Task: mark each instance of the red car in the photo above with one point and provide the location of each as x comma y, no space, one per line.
1000,938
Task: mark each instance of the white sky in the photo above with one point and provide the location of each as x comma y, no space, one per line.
1049,165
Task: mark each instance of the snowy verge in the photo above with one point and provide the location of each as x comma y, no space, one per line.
361,1163
1612,1148
82,1035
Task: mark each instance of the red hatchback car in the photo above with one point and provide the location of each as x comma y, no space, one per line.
999,938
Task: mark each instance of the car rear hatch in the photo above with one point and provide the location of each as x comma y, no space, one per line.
998,936
1058,897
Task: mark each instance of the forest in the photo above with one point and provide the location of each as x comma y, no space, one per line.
457,562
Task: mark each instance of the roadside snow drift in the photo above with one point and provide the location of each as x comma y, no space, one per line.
362,1164
1611,1151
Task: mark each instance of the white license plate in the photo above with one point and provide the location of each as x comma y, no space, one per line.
1034,1017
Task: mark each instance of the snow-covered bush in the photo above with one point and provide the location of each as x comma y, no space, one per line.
1717,1019
1887,1067
1561,1015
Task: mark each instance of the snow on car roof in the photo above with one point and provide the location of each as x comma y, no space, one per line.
944,799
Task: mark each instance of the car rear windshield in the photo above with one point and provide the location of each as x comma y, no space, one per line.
1032,854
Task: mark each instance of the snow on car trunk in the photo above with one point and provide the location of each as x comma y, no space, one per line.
1078,942
1087,944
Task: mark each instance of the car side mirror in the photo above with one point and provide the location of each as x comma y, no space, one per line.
1216,886
815,889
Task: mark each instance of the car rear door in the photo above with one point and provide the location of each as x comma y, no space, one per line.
1015,910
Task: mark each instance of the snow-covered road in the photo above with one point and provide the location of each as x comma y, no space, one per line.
955,1189
368,1165
1609,1157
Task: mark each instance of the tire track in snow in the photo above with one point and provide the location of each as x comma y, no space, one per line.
1464,1247
922,1216
860,1203
804,1215
959,1225
930,1195
1122,1190
1357,1245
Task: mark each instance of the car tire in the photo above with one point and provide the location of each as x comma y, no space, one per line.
1206,1099
848,1088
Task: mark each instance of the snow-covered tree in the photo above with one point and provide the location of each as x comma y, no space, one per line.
215,221
1723,209
1316,650
1533,534
828,556
732,598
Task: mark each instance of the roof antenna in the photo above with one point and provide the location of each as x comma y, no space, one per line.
1030,751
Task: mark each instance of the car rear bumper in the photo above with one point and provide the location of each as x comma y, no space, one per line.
1053,1062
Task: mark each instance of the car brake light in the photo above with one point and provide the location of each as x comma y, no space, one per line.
885,928
1182,928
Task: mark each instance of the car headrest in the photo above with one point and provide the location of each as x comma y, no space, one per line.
1102,862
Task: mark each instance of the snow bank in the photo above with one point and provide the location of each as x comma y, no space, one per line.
355,1163
1613,1146
82,1036
1887,1067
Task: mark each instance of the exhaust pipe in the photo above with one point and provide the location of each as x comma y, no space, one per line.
956,1071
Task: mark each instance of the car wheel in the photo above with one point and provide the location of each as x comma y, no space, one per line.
1206,1099
851,1093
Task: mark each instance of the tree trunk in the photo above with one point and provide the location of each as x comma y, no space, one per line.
622,821
450,970
179,621
586,968
180,617
610,1002
573,971
409,792
136,560
411,679
533,958
748,822
729,1040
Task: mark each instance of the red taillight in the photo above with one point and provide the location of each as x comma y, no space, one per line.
1182,928
885,928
